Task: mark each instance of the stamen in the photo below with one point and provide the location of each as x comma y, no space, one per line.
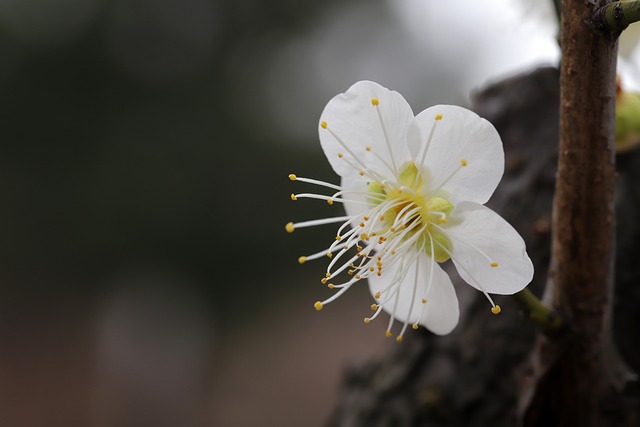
382,160
455,237
428,143
496,309
292,226
413,298
386,138
343,288
317,305
371,174
451,175
345,146
461,266
322,253
314,181
430,280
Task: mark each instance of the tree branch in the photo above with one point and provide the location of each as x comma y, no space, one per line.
617,16
573,373
545,318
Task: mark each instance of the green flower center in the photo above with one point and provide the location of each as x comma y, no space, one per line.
411,212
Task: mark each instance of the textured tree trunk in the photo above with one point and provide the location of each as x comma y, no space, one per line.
575,373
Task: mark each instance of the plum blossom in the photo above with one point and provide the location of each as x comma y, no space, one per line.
413,189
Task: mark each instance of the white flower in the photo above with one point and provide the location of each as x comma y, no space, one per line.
413,189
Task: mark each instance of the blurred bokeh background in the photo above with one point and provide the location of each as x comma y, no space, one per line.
145,275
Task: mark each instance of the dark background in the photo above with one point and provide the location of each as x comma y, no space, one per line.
145,275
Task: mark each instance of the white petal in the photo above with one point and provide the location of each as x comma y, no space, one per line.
441,312
461,135
356,190
354,120
473,227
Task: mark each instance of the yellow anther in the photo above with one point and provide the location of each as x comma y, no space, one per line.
293,197
338,238
399,338
329,255
415,326
323,125
392,229
424,300
442,219
317,306
357,276
292,177
323,280
494,264
330,286
393,252
368,148
359,248
302,259
330,201
366,218
340,155
327,275
463,162
375,101
438,116
361,173
371,269
388,333
377,295
367,320
289,227
362,224
381,217
496,309
374,307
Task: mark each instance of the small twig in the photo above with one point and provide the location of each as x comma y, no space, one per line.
617,16
544,317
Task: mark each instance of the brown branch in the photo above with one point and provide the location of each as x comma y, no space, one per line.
573,385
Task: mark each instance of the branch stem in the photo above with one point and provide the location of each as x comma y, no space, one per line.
617,16
544,317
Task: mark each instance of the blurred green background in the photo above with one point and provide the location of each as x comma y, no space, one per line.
145,275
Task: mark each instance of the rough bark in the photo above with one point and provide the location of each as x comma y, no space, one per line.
574,377
473,376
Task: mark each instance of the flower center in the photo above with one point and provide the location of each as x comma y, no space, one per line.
410,212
